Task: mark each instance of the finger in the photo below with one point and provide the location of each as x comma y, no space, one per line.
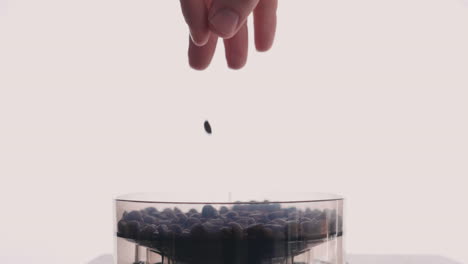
200,56
265,24
237,48
195,13
227,16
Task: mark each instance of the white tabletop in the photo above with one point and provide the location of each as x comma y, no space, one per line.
352,259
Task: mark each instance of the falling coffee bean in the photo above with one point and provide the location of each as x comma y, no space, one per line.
207,127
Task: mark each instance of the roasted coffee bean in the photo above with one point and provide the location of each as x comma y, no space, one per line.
275,215
149,219
237,231
176,229
150,210
207,127
122,227
232,215
196,215
218,222
244,213
164,222
279,221
223,210
226,232
192,221
197,231
256,231
147,232
186,233
209,211
181,218
133,227
134,216
239,207
212,231
247,220
167,214
164,232
259,217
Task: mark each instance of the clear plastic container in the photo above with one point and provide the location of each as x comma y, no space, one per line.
229,229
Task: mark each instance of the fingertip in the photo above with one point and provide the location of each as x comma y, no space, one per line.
197,67
199,57
199,38
236,65
224,22
263,46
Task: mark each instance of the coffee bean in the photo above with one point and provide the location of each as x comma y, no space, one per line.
122,227
275,215
176,229
223,210
167,214
209,211
133,227
232,215
259,217
181,218
245,221
207,127
256,231
150,210
212,231
279,221
134,216
192,221
197,231
147,232
237,231
149,219
164,232
218,222
239,207
196,215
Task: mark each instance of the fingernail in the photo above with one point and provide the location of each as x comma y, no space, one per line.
195,41
225,21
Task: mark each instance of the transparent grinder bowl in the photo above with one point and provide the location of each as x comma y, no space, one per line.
256,229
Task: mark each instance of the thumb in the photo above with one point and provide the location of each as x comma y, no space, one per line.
227,16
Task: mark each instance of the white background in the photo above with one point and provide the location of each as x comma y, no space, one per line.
363,98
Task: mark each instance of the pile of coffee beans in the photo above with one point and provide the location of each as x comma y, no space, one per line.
243,233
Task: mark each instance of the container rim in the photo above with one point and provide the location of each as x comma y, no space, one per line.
204,198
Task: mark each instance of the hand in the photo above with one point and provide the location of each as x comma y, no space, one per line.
210,19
